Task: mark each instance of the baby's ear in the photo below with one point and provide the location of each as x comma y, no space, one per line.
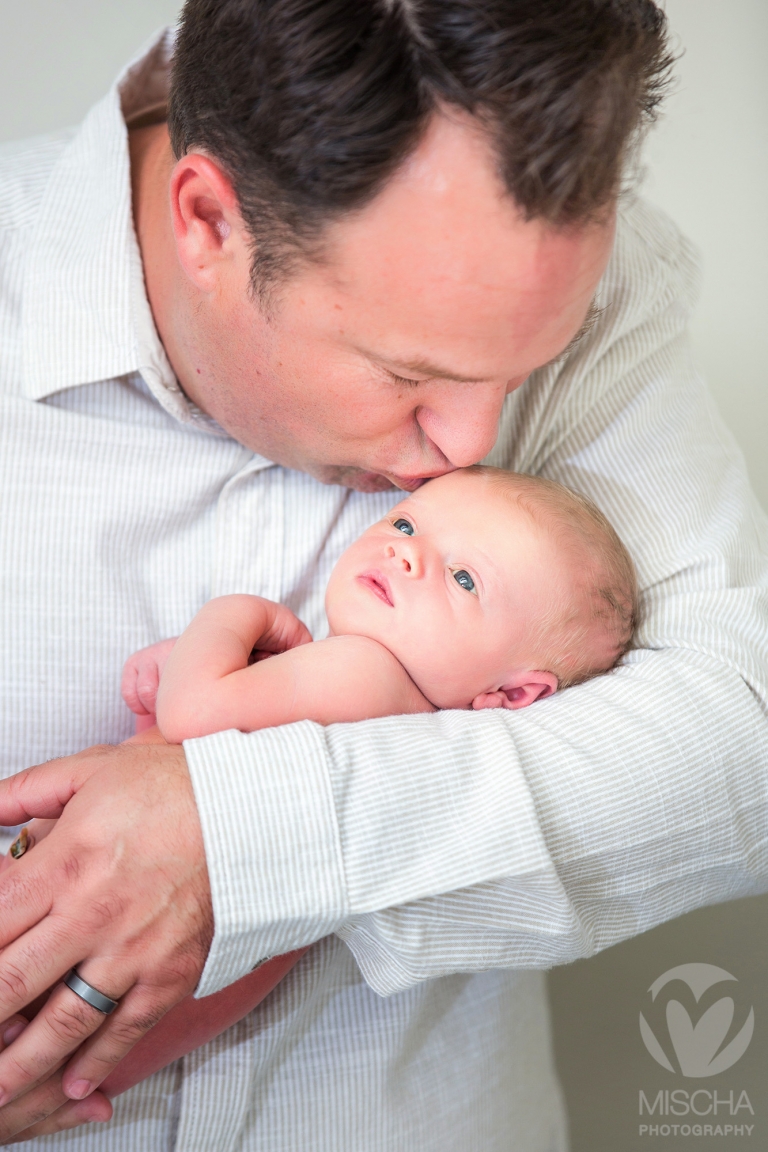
490,700
519,692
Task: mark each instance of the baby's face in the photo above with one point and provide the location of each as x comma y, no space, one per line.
451,582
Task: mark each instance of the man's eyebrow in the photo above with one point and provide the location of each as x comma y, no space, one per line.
423,368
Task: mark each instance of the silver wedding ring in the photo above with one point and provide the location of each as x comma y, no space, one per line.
90,994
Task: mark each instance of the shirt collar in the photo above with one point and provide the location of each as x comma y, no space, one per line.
86,313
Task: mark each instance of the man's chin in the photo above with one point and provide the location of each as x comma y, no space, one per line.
357,479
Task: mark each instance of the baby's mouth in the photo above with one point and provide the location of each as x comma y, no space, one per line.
379,585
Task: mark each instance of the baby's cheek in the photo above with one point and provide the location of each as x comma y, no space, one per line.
5,862
427,654
452,664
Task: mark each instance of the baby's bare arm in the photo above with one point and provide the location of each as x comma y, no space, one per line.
208,685
218,643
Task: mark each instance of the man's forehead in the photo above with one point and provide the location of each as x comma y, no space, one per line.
448,201
449,275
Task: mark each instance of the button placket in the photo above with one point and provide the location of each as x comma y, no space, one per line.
216,1092
249,534
248,554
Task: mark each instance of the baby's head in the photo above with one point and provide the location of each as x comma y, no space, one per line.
491,588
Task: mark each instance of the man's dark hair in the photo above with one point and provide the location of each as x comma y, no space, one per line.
310,105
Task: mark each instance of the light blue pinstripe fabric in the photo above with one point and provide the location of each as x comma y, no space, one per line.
439,860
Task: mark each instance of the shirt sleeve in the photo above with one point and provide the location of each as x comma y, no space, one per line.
464,841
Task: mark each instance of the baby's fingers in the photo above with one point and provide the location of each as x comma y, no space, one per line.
147,683
141,676
141,679
130,683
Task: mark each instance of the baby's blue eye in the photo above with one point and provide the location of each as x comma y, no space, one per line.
404,526
464,578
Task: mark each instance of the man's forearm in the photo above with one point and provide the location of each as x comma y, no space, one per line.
580,825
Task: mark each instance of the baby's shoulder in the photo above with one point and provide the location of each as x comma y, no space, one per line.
359,656
371,671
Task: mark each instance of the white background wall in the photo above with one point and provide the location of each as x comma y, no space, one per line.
708,167
707,164
57,57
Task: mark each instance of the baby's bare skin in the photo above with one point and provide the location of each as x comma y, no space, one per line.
433,607
209,686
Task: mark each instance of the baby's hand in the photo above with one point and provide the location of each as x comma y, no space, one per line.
141,677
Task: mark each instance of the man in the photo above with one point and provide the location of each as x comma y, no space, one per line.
384,245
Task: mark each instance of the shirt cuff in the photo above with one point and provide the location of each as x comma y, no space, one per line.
271,842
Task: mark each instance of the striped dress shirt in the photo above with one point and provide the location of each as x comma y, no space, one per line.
439,863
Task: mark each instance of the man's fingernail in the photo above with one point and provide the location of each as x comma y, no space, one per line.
13,1031
79,1089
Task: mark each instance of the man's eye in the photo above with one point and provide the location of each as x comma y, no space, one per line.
405,526
464,579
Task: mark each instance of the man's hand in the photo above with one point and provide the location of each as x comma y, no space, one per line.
119,888
46,1109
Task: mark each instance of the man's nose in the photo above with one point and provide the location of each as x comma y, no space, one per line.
463,420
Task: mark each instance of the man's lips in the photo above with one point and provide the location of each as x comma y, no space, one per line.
378,584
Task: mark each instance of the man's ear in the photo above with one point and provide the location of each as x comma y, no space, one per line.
519,691
204,213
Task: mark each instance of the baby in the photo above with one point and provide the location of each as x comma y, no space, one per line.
482,589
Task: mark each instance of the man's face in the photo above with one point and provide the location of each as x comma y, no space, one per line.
388,361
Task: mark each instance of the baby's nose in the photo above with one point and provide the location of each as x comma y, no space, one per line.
407,557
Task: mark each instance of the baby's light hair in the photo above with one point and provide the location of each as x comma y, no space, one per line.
585,635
